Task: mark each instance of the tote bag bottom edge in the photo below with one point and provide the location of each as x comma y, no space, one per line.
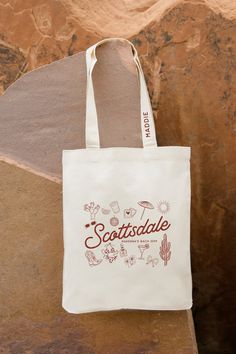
183,307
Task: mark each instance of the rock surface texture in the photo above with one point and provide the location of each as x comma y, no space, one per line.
43,113
188,52
32,318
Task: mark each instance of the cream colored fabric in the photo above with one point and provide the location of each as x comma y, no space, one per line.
126,219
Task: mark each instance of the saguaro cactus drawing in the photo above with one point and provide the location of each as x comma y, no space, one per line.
165,252
92,209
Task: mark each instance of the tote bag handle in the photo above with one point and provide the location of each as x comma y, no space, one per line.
147,121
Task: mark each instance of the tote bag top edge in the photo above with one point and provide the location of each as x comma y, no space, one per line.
128,153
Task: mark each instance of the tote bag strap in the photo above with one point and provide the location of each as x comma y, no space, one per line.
147,121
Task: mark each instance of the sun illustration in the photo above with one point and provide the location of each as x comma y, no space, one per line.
163,206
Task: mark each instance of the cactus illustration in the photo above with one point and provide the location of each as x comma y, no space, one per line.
92,209
165,252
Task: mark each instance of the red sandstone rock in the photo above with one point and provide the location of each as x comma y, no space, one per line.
188,54
50,102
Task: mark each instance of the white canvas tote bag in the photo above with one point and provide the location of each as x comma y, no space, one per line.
126,219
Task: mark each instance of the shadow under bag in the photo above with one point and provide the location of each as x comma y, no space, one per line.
126,218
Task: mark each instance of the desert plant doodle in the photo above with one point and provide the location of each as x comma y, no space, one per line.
129,213
163,206
92,209
110,253
145,205
92,260
152,261
165,252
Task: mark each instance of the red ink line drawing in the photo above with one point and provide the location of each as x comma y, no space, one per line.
129,213
152,261
163,206
143,248
165,252
110,253
92,209
92,223
92,260
115,207
130,261
114,221
123,251
145,205
106,211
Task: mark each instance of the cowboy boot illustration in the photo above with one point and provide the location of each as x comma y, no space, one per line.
92,260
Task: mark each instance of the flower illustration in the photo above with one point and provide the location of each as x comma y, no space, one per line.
130,261
126,260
